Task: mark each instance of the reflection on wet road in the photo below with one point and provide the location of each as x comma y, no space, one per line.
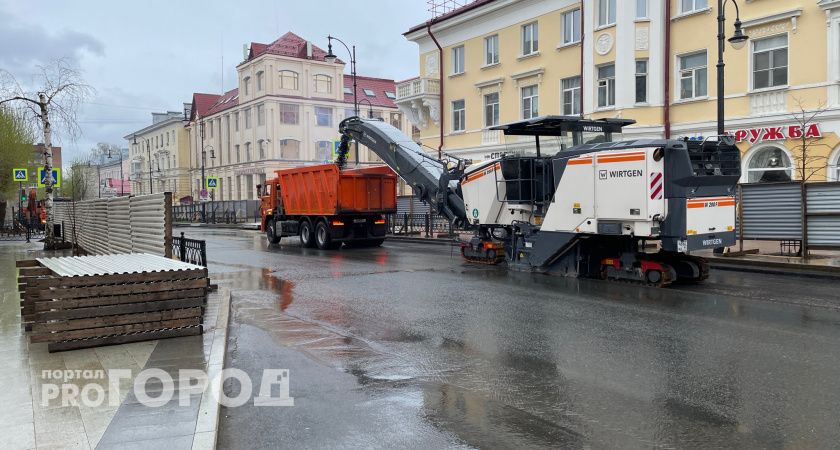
408,346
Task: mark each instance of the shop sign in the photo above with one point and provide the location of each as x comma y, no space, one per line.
754,135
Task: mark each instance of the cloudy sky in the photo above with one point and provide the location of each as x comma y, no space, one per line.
152,55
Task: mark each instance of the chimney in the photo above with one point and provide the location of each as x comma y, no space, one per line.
245,52
308,50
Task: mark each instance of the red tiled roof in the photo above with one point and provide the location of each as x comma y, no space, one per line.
202,103
449,15
379,86
289,44
226,101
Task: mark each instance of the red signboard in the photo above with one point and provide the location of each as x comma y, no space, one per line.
754,135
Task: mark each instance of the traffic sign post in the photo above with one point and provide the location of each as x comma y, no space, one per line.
20,175
56,176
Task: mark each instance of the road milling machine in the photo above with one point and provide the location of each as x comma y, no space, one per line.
572,199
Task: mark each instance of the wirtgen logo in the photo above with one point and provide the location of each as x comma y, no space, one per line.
156,387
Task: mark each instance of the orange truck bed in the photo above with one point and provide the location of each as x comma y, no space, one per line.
324,190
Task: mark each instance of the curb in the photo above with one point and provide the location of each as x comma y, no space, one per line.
742,265
230,226
207,426
427,241
773,267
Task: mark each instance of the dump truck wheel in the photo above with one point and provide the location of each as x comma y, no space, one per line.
307,234
323,238
271,232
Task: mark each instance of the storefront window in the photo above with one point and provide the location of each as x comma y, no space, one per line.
769,165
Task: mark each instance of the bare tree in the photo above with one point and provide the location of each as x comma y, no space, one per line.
56,101
808,159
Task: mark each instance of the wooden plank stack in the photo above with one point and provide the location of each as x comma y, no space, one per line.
89,310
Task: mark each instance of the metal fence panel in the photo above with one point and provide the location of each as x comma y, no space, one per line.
772,211
823,214
411,205
118,225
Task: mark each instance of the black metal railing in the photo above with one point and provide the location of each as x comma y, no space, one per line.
417,224
19,227
192,251
222,211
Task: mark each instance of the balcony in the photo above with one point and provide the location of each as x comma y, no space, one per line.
491,137
419,100
768,102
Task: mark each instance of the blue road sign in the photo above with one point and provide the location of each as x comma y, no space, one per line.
56,176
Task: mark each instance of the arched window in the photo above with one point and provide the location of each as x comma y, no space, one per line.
289,149
323,83
246,83
325,151
260,77
768,164
261,147
834,166
288,80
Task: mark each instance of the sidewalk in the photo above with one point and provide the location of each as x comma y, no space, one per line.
32,418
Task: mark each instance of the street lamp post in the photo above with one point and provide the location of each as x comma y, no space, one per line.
330,58
370,107
738,40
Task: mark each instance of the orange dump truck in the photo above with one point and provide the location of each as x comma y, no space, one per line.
326,206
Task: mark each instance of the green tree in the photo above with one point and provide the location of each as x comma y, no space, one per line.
16,139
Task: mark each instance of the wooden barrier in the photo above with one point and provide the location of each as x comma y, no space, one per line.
72,312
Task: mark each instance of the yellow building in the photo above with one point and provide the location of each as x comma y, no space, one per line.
654,61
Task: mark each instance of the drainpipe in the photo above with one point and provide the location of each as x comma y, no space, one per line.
440,73
582,41
666,86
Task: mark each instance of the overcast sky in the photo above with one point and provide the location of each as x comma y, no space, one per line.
152,55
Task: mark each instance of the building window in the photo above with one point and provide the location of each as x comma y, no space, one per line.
396,120
260,77
289,149
491,109
770,62
458,115
641,9
236,121
606,86
641,80
530,39
369,92
325,151
390,95
211,133
260,115
288,80
687,6
289,114
530,102
247,152
323,116
246,83
491,50
768,165
248,118
323,83
261,146
693,73
606,12
571,96
238,154
571,27
458,60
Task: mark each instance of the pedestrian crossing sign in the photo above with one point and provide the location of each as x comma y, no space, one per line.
56,177
20,175
212,182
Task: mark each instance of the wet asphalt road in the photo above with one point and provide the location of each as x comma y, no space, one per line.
407,346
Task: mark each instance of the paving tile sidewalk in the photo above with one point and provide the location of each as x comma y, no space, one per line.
35,416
